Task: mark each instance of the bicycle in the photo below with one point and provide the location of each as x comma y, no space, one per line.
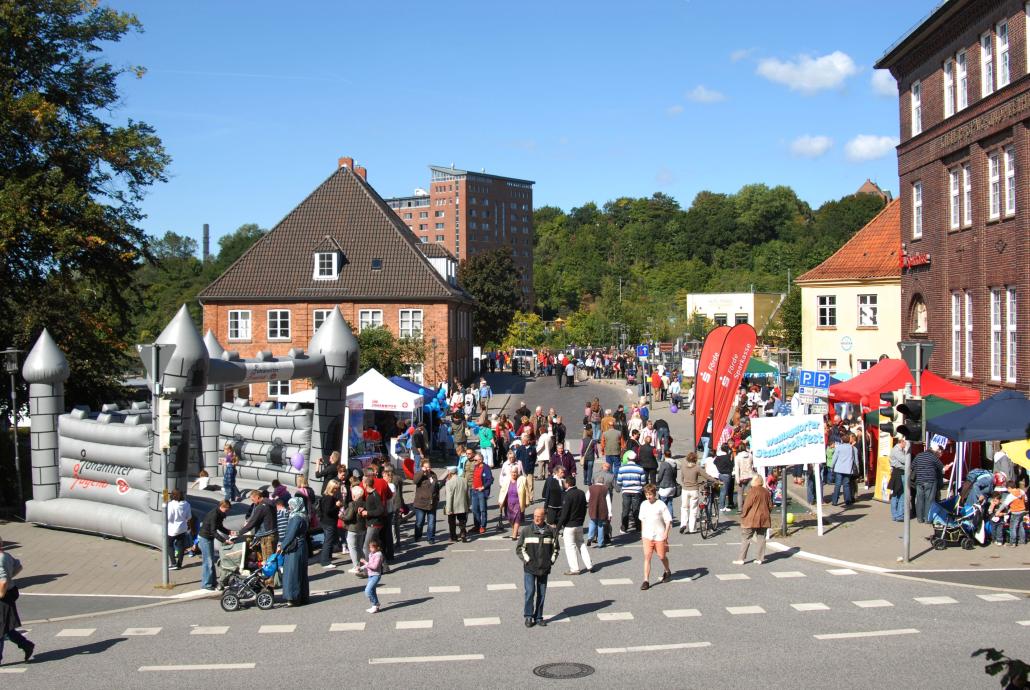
707,510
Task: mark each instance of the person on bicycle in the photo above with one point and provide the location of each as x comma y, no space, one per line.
691,477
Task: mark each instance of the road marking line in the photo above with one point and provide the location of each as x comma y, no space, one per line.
140,632
98,596
347,627
1023,623
388,590
842,571
681,613
560,583
705,543
276,629
733,576
76,632
615,616
414,625
616,581
13,670
444,589
197,667
425,659
210,630
495,550
733,543
744,610
555,619
998,597
871,633
471,622
500,586
814,606
935,601
654,647
463,550
872,603
789,573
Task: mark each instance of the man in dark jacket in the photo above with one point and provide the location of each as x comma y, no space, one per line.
427,495
553,495
538,548
212,528
262,522
562,458
328,472
647,460
570,524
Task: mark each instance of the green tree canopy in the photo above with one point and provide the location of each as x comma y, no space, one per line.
387,354
493,280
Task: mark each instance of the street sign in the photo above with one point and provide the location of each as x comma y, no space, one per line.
814,379
666,347
643,351
818,408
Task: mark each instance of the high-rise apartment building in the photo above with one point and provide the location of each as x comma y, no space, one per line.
469,213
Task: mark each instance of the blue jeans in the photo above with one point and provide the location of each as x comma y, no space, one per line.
422,517
230,492
1016,527
596,529
810,483
370,589
207,565
842,480
614,461
536,590
926,494
479,508
897,507
668,500
588,473
724,492
596,430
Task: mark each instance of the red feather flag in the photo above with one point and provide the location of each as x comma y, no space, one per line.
704,382
736,353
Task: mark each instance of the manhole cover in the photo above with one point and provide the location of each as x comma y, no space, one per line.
563,671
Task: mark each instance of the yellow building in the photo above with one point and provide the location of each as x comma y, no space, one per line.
851,303
731,308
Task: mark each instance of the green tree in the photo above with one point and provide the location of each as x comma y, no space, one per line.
525,329
387,354
233,245
492,279
71,183
790,319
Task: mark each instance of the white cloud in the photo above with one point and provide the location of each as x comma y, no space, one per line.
808,146
807,74
674,110
883,83
702,94
741,54
868,147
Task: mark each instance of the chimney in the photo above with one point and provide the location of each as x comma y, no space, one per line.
207,242
361,172
346,162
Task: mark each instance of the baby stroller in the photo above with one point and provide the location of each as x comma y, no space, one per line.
245,582
953,525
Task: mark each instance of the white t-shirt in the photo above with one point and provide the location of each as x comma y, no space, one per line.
654,519
179,515
570,369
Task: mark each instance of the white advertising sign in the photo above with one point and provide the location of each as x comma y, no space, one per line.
780,441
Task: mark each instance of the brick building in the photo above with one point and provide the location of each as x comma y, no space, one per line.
342,246
470,213
964,85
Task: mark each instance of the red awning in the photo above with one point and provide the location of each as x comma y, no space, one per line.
891,375
932,384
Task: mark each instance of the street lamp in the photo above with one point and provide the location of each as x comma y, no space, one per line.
11,365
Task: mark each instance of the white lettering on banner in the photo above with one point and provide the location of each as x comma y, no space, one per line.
778,441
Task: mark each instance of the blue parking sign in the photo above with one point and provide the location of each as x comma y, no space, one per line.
643,351
814,379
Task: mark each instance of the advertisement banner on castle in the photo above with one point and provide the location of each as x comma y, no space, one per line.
704,384
736,353
794,440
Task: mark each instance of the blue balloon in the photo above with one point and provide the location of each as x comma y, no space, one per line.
421,391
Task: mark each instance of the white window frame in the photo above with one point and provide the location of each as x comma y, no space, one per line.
986,65
866,364
1004,70
1009,159
242,333
278,389
955,199
406,323
917,210
829,365
949,87
916,98
869,301
368,318
956,334
994,185
961,81
332,265
316,315
969,335
826,311
281,332
967,195
996,317
1011,335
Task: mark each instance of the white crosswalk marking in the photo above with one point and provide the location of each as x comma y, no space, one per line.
559,583
872,603
733,576
654,647
813,606
501,586
140,632
842,571
13,670
444,589
744,610
276,629
1023,623
615,616
788,573
935,601
472,622
681,613
388,590
426,659
616,581
347,627
197,667
76,632
414,625
998,597
871,633
210,630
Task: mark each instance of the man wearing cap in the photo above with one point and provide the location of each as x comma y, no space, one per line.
630,480
928,472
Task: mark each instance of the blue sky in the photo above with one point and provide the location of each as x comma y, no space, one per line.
255,101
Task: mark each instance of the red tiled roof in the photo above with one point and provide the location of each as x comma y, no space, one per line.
343,212
871,253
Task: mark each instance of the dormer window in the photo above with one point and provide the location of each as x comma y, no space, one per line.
327,266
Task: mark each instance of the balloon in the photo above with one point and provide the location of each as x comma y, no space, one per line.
673,409
421,391
440,394
297,461
411,430
790,518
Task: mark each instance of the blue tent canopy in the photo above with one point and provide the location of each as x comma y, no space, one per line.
428,394
1003,417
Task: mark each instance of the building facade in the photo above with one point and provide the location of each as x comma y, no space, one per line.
851,303
471,213
731,308
342,247
964,86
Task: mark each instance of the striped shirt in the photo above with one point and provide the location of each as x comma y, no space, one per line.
630,478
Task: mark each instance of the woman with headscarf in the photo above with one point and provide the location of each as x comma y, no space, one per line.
294,549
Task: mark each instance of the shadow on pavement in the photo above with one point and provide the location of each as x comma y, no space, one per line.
26,582
416,564
338,593
690,574
781,555
584,609
404,603
613,562
81,650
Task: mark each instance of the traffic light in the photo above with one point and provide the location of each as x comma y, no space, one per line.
170,423
887,414
912,410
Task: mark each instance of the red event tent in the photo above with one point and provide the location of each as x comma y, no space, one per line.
891,375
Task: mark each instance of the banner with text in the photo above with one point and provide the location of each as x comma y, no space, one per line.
736,353
796,440
704,384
